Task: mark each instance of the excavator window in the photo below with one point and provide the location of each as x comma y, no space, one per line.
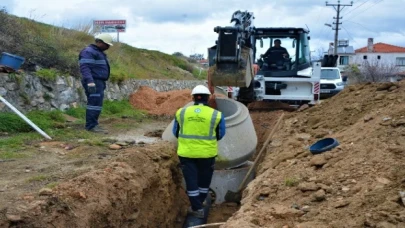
292,54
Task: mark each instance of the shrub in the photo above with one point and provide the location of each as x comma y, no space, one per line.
291,182
48,74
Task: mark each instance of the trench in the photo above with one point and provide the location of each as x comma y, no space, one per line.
141,187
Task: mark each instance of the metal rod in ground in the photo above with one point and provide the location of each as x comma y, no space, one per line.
25,118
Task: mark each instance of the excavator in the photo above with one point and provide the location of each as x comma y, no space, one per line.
236,62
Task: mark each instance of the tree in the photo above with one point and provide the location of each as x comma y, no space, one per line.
374,71
377,71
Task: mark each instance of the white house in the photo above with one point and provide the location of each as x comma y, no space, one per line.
344,51
382,52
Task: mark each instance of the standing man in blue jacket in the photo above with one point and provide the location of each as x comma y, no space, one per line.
198,129
95,71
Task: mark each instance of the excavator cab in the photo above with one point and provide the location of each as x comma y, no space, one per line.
281,51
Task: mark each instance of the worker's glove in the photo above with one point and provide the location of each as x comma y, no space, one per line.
92,88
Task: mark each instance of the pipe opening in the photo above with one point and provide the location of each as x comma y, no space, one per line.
228,108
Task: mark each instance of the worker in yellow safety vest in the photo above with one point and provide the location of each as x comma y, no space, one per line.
198,129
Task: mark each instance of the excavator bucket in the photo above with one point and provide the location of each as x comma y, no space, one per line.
230,65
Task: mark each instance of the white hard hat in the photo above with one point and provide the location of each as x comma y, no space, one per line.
106,38
200,89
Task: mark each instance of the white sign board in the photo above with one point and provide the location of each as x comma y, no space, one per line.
109,25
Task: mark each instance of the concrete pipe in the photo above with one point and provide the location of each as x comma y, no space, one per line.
240,141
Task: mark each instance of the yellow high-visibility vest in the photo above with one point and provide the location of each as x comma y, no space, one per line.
197,135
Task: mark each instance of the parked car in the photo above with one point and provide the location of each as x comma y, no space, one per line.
332,81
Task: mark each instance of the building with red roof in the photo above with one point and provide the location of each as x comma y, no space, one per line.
382,52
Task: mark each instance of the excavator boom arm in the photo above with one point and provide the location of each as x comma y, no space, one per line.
231,59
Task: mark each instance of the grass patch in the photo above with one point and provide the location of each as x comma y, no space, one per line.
125,126
95,142
201,75
54,124
15,77
79,112
15,143
7,155
291,182
70,133
120,109
47,74
12,123
52,185
56,49
37,178
75,156
110,109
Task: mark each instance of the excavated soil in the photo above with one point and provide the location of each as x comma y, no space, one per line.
139,187
162,104
356,184
159,103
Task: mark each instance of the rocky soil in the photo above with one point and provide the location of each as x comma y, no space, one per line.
357,184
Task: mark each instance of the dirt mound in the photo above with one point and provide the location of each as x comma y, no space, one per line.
160,103
140,188
357,184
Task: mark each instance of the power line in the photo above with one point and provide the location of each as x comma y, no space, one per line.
378,1
338,7
356,7
324,31
360,25
349,35
319,15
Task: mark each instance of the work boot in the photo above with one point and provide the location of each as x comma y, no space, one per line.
198,213
98,129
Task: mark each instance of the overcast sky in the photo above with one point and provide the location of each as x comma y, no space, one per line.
187,25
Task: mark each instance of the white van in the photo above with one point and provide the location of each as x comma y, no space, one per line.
332,81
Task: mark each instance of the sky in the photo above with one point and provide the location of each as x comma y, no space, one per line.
187,26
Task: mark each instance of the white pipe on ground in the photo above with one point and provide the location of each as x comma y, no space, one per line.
25,118
208,225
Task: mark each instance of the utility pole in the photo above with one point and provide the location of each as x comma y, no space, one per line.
338,7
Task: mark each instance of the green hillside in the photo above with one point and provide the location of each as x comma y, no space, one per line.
56,50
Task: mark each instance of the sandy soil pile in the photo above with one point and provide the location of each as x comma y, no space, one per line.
160,103
163,103
140,188
357,184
